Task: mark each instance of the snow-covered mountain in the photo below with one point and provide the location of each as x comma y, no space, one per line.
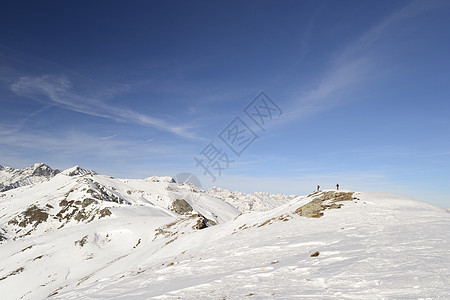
77,170
76,196
13,178
86,236
257,201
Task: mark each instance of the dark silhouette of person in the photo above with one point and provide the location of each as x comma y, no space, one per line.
318,187
337,186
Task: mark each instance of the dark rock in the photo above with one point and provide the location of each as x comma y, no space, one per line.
4,188
82,242
315,254
33,215
180,206
324,201
88,201
202,223
104,212
2,237
79,171
81,216
45,171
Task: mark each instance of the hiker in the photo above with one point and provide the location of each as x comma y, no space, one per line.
318,187
337,186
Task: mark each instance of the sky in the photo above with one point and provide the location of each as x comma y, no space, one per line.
273,96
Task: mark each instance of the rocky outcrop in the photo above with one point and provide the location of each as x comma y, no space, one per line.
2,236
44,171
323,201
102,193
183,225
89,202
31,216
181,207
202,222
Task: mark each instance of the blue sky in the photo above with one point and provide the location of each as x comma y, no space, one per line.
140,88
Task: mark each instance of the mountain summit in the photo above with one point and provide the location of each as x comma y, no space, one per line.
13,178
77,170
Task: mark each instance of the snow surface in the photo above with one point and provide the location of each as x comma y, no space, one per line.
374,246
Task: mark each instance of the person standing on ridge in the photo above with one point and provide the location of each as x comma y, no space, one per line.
337,186
318,187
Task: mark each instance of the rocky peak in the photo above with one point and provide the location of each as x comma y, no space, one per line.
77,170
44,170
13,178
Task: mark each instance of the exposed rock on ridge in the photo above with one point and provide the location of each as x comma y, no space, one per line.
13,178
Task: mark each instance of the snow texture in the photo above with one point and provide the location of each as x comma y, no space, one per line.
90,236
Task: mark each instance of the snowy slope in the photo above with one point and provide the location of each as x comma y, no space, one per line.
62,230
130,243
379,246
75,196
12,178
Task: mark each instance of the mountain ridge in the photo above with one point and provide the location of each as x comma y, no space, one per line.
13,178
246,202
153,237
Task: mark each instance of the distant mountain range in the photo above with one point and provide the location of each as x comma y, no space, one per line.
76,234
13,178
257,201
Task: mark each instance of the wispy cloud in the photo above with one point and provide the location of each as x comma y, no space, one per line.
108,137
338,79
11,128
113,156
59,91
6,129
73,143
383,28
353,65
